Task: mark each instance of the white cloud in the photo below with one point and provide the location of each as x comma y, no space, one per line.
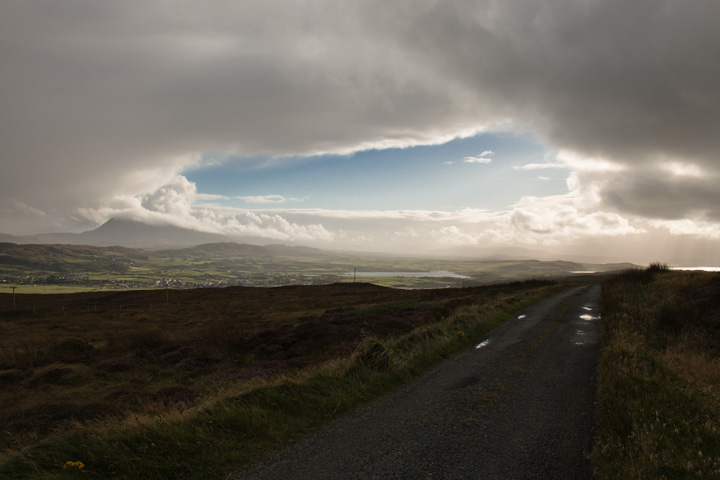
541,222
477,160
462,215
264,199
176,203
273,226
208,197
564,218
484,157
579,161
174,199
539,166
680,169
451,235
698,228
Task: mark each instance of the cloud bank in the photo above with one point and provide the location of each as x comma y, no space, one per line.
559,223
105,103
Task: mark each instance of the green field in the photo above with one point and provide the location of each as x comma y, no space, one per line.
43,268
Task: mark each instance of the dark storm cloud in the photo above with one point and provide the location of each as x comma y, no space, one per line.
652,194
101,98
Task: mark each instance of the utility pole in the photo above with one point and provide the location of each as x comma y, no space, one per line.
354,274
13,297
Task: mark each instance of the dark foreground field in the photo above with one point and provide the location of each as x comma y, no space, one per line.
659,376
234,332
195,383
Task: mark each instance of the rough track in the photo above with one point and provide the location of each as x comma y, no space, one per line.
521,406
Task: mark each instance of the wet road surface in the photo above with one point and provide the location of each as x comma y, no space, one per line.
518,406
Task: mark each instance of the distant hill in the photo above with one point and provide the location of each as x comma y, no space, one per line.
234,249
130,233
6,238
171,241
127,233
229,263
63,257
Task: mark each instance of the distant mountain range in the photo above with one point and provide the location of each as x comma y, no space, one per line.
66,257
134,234
126,233
232,249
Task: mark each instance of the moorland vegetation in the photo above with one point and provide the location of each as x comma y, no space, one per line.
659,376
197,383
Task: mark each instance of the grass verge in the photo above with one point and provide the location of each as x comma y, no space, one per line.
659,377
250,420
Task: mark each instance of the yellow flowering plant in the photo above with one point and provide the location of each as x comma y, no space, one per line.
73,465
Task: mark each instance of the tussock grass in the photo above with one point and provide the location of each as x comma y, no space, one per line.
212,432
659,376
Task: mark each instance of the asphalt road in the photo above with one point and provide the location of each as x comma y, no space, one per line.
521,405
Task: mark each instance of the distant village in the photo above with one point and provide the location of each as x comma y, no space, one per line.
208,281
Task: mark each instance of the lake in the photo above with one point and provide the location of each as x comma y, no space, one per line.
436,274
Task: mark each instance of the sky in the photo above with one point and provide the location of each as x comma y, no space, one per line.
575,126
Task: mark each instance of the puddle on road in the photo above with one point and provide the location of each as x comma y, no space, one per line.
580,338
587,316
482,344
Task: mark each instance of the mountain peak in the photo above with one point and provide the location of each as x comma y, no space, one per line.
133,233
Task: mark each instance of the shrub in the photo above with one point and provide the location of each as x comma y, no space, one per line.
658,267
374,354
